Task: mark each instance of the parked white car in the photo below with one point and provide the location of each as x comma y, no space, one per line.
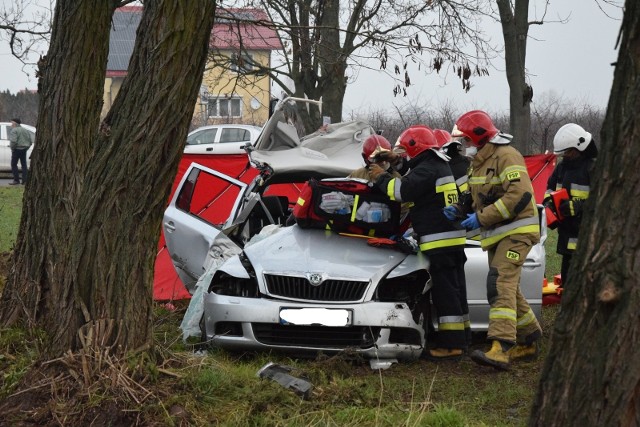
5,151
304,290
221,139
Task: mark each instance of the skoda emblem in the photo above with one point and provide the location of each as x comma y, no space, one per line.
315,279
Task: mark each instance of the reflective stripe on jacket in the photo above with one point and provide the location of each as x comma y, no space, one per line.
575,176
503,195
429,186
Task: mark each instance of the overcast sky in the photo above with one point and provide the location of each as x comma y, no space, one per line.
571,60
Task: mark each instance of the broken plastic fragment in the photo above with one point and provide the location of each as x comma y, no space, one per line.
382,363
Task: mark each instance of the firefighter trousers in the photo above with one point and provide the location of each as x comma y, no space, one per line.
510,318
449,296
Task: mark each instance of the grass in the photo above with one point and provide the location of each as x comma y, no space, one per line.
216,387
10,209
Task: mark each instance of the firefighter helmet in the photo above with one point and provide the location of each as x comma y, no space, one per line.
373,145
416,139
571,135
444,138
475,125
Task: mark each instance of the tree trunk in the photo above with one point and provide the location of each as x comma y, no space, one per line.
70,87
334,65
592,376
515,27
106,200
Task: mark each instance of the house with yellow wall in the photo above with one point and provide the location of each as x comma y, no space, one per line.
233,90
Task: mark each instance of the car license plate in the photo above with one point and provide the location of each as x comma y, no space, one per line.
316,316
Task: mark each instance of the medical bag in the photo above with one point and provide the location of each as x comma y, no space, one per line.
347,205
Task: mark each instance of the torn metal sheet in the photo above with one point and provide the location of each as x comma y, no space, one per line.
280,374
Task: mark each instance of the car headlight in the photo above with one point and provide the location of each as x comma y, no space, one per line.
408,288
223,283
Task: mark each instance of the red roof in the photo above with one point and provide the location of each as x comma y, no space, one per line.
250,27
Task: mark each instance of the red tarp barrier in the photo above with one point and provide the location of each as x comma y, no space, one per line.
540,167
166,283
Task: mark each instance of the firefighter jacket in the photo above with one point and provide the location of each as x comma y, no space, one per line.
502,195
429,186
575,176
460,167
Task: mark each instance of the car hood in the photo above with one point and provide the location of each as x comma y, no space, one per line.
333,152
298,252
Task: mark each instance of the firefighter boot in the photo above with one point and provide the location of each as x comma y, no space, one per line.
524,352
497,357
444,353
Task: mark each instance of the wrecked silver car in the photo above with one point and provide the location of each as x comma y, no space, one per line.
261,282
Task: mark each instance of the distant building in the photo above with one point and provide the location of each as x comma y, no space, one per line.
239,39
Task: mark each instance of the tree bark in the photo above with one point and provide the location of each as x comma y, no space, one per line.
515,27
86,249
592,376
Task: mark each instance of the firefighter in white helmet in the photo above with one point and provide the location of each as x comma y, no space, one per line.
573,173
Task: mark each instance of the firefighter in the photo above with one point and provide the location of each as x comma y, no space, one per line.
573,173
504,209
429,186
458,162
460,168
372,148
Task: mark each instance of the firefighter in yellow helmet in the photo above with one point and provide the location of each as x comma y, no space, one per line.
503,207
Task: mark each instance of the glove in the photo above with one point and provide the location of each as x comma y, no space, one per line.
450,212
375,172
387,156
471,223
571,207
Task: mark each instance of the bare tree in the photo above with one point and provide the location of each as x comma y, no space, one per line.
549,113
83,261
514,17
326,42
591,376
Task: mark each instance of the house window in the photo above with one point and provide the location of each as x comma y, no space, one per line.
241,63
225,107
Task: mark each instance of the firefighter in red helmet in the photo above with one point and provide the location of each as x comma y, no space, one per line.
374,149
457,161
429,186
504,210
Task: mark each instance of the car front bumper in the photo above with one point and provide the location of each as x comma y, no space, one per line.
377,329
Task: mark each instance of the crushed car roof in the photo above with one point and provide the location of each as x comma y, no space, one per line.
333,151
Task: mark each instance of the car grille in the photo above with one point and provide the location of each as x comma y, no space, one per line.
315,336
300,288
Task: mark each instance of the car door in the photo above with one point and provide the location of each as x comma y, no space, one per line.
5,151
204,203
231,141
202,141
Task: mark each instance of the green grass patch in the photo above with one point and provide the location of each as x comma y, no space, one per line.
10,210
17,355
553,260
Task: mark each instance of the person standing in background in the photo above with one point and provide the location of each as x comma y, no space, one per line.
19,142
